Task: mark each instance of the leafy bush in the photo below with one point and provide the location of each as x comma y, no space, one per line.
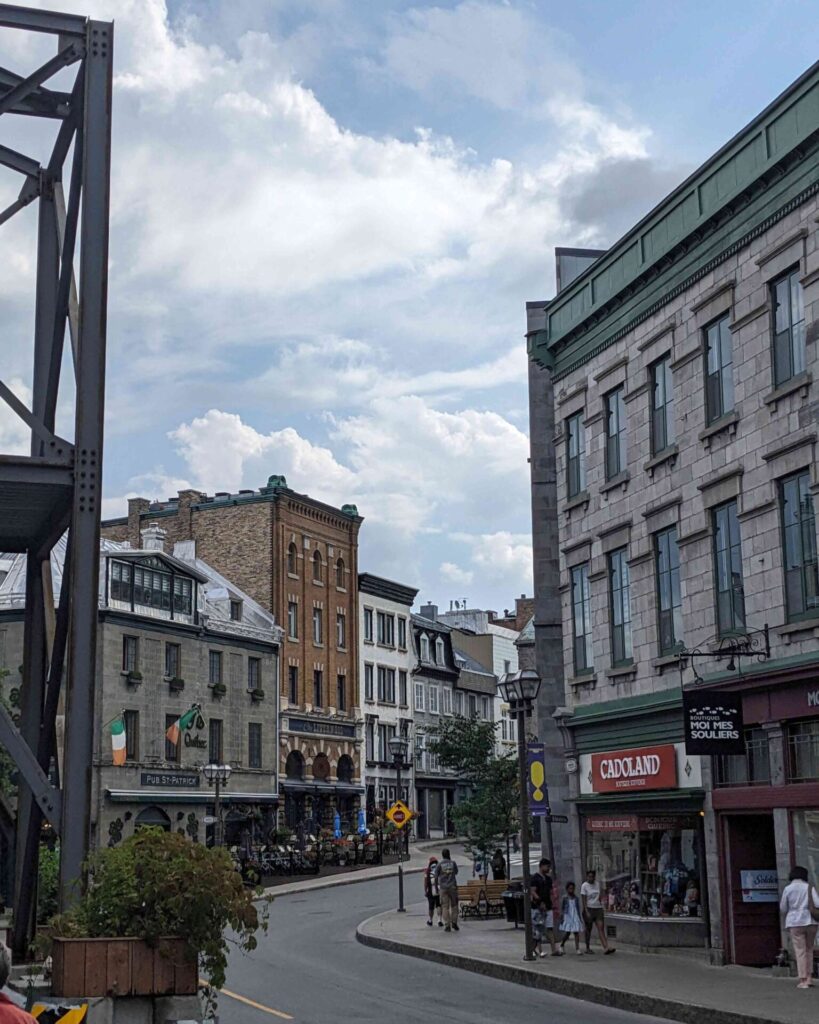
158,884
48,879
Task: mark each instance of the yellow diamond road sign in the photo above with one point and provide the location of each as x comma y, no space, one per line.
399,814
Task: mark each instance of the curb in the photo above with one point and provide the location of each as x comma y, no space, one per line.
654,1006
331,883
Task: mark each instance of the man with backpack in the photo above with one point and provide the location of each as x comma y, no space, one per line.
446,876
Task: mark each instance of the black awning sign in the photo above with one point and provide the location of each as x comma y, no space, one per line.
713,722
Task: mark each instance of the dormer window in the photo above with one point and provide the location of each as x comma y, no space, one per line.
424,647
151,585
439,652
317,578
235,610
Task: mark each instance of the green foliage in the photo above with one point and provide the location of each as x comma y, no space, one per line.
48,878
8,770
158,884
490,813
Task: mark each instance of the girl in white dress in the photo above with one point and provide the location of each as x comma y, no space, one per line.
570,922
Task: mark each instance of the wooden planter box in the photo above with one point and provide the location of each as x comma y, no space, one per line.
122,967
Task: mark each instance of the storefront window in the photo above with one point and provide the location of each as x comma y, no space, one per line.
646,865
806,840
803,751
753,768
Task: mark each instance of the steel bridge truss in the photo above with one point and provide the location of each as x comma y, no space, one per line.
55,490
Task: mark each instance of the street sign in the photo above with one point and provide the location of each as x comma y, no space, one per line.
209,820
399,814
561,819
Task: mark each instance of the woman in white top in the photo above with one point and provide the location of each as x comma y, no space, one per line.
799,921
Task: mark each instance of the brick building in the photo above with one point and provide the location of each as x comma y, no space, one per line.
673,434
298,558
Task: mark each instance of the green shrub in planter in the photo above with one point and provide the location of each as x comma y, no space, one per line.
257,694
219,689
134,676
157,884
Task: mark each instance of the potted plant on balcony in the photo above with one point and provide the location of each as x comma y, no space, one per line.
176,683
153,918
219,689
257,694
133,677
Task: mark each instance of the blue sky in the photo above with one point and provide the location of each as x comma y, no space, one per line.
327,216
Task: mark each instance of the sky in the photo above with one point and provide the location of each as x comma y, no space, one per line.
327,216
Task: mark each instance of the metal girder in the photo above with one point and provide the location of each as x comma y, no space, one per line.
57,488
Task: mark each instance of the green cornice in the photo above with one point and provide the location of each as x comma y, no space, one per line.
645,704
763,173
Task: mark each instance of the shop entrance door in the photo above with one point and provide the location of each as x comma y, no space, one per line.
753,919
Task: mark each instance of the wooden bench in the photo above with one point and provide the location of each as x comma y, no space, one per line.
482,899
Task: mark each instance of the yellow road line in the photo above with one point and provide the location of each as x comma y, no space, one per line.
251,1002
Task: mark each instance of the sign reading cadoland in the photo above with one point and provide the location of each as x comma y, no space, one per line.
713,722
623,771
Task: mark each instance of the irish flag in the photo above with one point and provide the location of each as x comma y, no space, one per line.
118,740
182,723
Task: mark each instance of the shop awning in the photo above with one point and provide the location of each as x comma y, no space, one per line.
186,796
302,786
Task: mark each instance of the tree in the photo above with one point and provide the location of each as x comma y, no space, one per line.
8,769
489,815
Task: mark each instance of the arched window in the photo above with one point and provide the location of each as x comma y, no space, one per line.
424,648
153,817
340,573
321,767
317,566
294,765
439,651
345,769
292,559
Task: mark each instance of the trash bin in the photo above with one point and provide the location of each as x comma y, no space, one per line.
513,903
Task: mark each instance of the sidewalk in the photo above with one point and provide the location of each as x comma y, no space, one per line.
418,859
678,988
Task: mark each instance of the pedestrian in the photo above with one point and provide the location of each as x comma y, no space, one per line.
800,905
9,1013
541,896
593,915
479,865
498,865
446,877
570,920
431,892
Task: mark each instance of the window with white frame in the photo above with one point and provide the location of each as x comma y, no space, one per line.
419,697
368,624
485,708
370,739
386,684
368,682
433,700
402,632
386,629
439,652
402,688
459,703
424,645
447,700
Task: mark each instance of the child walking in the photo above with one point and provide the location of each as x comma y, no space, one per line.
570,921
432,893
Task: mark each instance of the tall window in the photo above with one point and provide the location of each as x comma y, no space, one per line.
386,684
317,577
485,708
317,632
446,700
341,629
317,687
293,684
368,682
131,720
473,705
440,652
292,619
171,749
386,629
214,667
575,455
341,692
751,769
340,581
581,618
370,739
129,654
419,697
803,751
669,601
402,687
368,624
254,745
424,645
173,667
215,748
799,544
719,370
254,673
662,405
402,633
459,703
728,569
615,432
121,582
620,601
292,559
789,327
432,700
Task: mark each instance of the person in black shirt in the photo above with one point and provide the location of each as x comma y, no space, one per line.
540,893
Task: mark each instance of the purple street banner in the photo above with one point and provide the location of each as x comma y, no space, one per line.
536,780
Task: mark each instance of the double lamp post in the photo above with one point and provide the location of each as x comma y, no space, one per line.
218,776
519,690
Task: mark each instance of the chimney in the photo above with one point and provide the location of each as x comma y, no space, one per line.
137,507
153,538
429,611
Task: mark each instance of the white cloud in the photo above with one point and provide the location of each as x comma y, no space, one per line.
452,573
15,436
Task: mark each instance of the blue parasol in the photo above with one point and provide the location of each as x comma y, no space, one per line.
337,825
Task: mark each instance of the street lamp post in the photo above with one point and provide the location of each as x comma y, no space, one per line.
519,690
218,776
398,748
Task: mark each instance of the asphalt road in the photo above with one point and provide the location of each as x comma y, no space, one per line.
309,968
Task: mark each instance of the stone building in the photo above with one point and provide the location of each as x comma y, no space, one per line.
674,431
298,558
173,634
387,659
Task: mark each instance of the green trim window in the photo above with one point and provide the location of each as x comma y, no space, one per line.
728,584
669,600
719,370
799,547
615,432
581,619
788,327
620,603
254,745
575,455
662,406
